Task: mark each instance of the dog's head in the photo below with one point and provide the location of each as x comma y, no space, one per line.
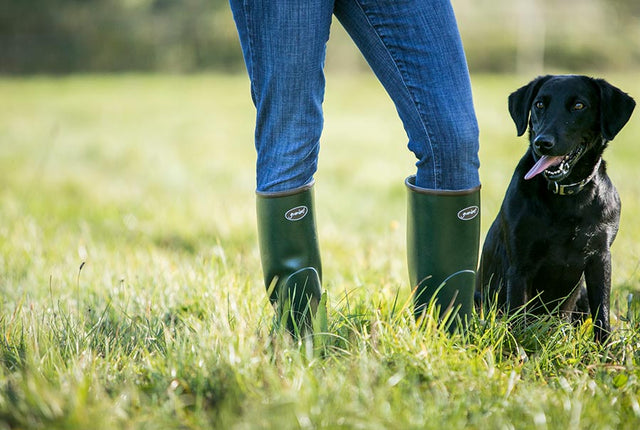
568,116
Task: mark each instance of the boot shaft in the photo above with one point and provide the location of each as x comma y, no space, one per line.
443,234
289,253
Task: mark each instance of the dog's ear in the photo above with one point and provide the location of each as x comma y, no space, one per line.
615,109
520,102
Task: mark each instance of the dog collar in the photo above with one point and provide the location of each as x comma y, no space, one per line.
571,189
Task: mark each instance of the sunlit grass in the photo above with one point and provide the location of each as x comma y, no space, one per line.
132,297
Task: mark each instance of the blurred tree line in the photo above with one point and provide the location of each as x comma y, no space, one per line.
66,36
62,36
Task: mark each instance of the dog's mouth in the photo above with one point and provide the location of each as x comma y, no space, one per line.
556,167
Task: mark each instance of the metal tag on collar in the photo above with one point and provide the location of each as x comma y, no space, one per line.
567,190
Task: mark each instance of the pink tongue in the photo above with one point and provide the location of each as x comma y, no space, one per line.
543,164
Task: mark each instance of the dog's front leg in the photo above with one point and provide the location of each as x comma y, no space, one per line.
516,301
516,293
597,275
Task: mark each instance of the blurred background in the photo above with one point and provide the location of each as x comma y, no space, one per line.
187,36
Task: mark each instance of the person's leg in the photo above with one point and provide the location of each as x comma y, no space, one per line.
283,43
414,48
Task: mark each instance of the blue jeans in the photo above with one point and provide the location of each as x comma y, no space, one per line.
413,47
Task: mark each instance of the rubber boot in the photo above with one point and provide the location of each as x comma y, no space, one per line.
290,255
443,234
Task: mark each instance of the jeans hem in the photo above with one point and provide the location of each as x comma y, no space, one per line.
410,183
275,194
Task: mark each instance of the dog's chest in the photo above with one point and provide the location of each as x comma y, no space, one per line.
561,246
555,234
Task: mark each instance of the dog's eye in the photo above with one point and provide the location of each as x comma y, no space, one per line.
578,106
539,105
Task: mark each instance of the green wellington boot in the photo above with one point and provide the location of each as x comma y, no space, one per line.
443,233
290,255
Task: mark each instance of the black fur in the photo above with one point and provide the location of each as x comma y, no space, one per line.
543,247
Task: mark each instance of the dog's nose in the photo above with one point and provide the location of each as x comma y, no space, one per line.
544,142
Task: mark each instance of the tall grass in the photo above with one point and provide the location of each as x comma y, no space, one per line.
131,293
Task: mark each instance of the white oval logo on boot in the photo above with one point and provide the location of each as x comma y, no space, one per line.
297,213
469,213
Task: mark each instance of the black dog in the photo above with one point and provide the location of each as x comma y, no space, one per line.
560,213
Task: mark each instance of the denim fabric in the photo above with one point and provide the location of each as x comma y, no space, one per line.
413,47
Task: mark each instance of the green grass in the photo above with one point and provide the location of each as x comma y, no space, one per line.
131,294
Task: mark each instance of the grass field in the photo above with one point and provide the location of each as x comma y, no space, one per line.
132,297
